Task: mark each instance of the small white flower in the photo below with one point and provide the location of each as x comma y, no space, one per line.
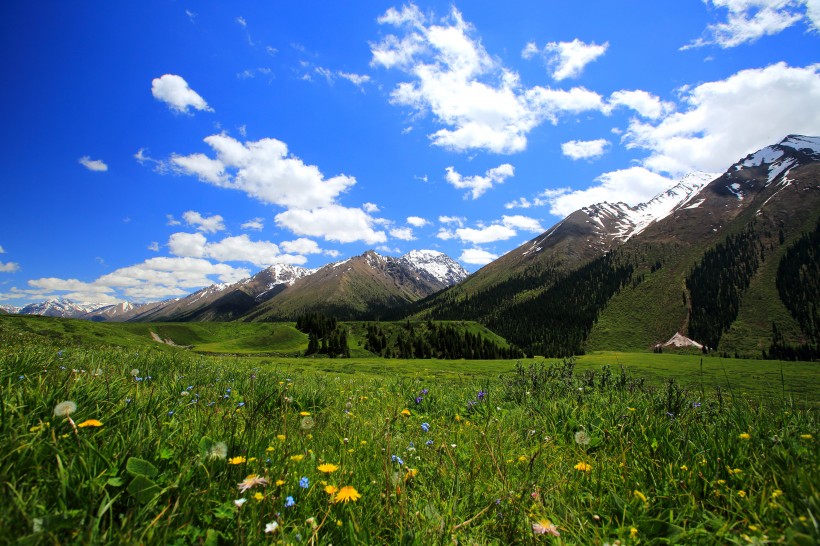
184,393
240,502
271,527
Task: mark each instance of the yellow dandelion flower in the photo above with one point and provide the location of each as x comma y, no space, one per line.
304,413
252,459
280,483
331,489
338,523
281,437
631,409
744,436
721,482
347,493
741,493
327,468
363,442
405,412
776,493
411,473
270,449
583,467
297,458
684,467
237,460
806,436
90,423
633,532
259,496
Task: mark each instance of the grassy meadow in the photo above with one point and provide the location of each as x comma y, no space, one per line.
166,446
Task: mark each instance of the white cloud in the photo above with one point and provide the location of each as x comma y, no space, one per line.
356,79
727,119
524,223
264,169
190,245
749,20
174,91
585,149
477,256
301,246
566,59
479,184
154,246
489,234
417,221
9,267
236,249
405,234
257,224
480,103
445,234
451,220
370,208
333,223
97,165
631,186
2,250
644,103
208,224
171,221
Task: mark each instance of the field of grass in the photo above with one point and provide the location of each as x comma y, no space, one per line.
169,447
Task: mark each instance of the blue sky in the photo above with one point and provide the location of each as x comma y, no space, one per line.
153,148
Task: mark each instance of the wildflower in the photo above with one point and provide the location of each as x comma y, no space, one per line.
240,405
297,458
640,495
64,409
419,399
170,413
306,423
259,496
347,493
41,426
581,438
405,412
411,473
218,451
741,493
331,489
135,372
237,460
523,459
684,467
304,413
89,423
184,393
304,483
776,493
397,459
633,532
240,502
481,394
280,483
281,437
289,502
327,468
545,527
806,436
425,427
271,527
428,443
583,467
251,481
744,436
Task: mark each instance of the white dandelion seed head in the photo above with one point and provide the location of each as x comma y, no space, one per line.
135,372
218,451
64,409
581,438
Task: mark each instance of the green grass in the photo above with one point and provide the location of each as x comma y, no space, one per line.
668,464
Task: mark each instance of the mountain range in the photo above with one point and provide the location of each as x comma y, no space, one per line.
702,258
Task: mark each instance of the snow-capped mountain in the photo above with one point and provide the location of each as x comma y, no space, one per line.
10,309
437,264
60,307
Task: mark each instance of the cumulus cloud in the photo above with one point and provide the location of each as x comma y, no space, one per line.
481,104
256,224
237,249
725,120
566,59
488,234
631,186
417,221
585,149
749,20
174,91
208,224
9,267
191,245
405,234
478,184
263,169
97,165
477,256
644,103
333,223
153,279
301,246
451,220
524,223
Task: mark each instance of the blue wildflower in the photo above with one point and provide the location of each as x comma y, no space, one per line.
428,443
419,399
170,413
424,392
481,394
425,427
304,483
397,459
289,502
241,404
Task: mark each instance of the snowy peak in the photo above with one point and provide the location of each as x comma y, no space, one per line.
792,151
437,264
61,307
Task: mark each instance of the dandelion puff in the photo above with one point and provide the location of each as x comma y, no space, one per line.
306,423
218,451
135,372
64,409
582,438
